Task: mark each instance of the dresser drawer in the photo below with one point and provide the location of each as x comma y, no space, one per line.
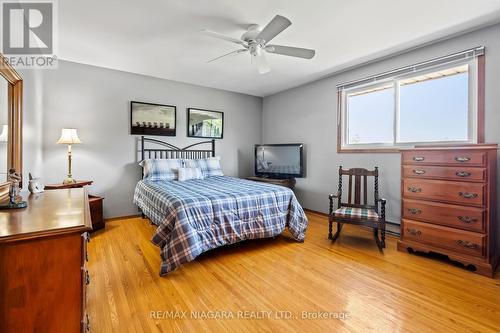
445,172
464,157
448,191
460,241
463,217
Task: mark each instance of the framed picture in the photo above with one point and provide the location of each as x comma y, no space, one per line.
205,123
152,119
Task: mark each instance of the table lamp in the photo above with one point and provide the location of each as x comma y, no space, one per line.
69,137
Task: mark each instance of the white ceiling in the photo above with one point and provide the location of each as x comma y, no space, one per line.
161,38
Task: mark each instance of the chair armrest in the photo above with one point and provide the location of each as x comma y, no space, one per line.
334,196
382,206
331,197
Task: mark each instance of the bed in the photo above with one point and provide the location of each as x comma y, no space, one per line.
198,215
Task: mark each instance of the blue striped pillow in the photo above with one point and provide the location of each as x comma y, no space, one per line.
161,169
190,173
210,167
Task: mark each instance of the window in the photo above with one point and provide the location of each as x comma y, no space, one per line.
435,104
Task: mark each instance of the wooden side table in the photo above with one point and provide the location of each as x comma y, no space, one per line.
287,182
95,202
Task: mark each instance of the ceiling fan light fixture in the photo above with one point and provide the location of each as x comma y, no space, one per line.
255,39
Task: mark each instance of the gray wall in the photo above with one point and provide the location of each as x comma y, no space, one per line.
308,114
96,102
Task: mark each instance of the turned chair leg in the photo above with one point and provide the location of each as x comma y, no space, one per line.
337,233
330,236
377,240
383,234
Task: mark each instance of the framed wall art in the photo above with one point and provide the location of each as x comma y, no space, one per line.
205,123
152,119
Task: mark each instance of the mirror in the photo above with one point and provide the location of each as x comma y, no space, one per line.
11,102
4,128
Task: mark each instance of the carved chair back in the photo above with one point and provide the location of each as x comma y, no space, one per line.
357,192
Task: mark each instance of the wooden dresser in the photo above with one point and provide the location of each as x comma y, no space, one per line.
43,273
449,204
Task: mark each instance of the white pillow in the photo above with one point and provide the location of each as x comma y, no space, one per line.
190,173
209,166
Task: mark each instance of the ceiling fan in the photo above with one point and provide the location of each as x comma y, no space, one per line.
255,40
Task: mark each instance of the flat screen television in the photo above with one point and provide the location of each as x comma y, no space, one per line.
279,160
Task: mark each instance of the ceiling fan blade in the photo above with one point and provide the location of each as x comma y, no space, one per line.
224,37
291,51
273,28
262,65
228,54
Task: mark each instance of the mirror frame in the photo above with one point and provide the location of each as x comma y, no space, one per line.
15,116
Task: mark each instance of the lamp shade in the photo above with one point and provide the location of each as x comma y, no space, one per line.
5,132
69,136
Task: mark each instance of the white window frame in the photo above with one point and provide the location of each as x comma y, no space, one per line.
473,113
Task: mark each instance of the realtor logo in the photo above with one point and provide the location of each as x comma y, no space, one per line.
28,30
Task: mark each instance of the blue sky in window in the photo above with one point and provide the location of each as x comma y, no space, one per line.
371,117
432,110
435,110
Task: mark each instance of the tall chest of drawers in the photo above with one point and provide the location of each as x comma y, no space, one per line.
449,204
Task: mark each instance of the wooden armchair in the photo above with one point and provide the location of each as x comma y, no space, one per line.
355,212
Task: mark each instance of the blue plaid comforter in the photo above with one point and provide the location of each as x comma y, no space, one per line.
195,216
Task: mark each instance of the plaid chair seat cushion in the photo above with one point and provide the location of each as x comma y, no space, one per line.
359,213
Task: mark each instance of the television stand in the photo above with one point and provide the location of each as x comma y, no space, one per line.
287,182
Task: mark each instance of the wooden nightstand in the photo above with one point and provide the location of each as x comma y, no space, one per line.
287,182
95,202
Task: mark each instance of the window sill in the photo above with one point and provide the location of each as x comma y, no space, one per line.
370,150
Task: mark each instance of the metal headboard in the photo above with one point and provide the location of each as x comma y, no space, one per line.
172,151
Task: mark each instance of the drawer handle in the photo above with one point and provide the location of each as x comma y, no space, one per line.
87,278
467,219
414,189
418,158
414,232
468,195
467,244
462,174
462,159
419,172
414,211
86,239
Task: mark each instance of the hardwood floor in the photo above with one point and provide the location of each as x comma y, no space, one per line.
387,292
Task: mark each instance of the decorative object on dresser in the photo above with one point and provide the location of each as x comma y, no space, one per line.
35,184
95,202
15,200
449,204
69,136
205,123
286,182
355,212
43,268
152,119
